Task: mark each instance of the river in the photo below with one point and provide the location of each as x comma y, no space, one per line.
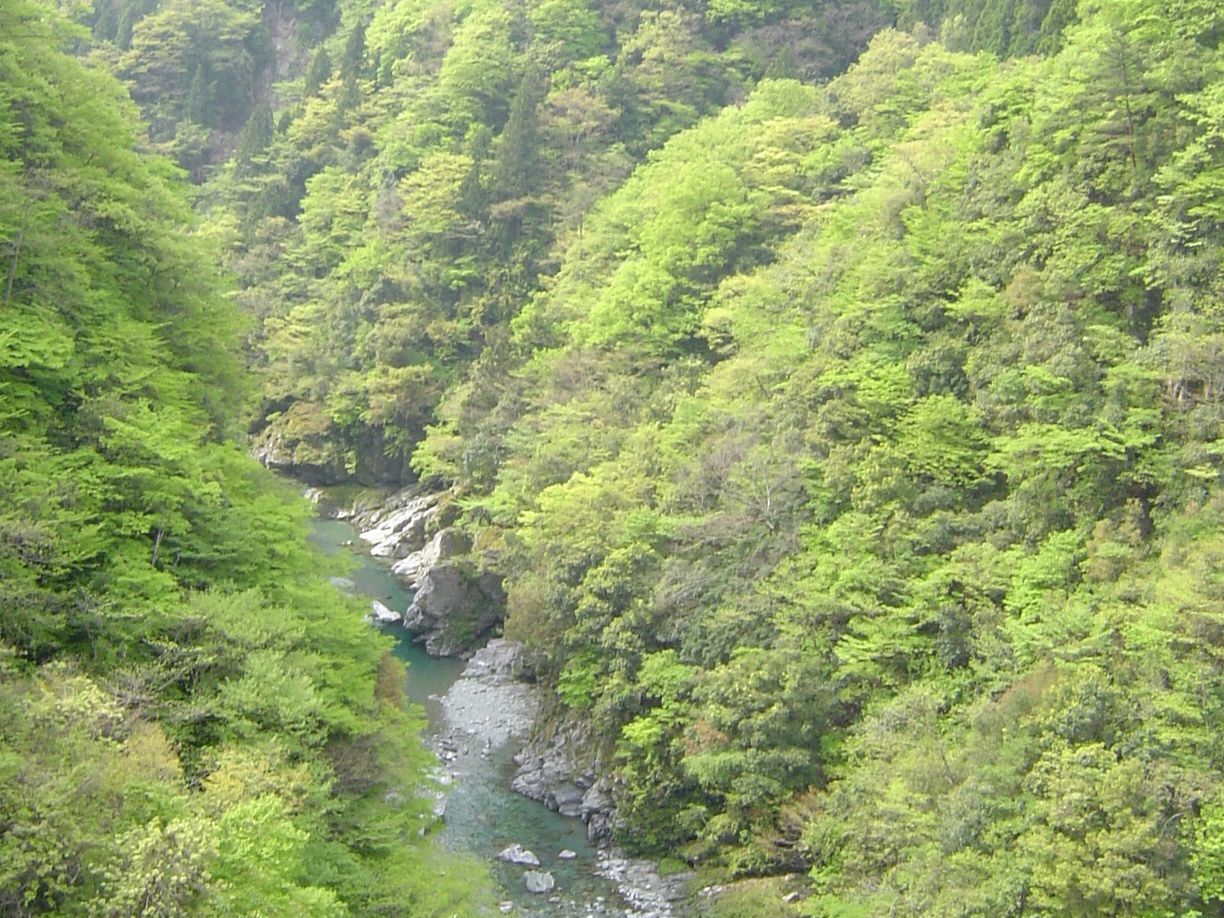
483,815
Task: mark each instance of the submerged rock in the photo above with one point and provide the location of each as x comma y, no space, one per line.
538,881
517,854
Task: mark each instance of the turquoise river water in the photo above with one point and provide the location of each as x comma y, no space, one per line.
483,815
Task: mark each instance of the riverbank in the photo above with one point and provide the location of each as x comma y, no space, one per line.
480,716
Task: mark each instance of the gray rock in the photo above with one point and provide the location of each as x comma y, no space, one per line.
566,799
538,881
558,771
384,614
567,855
446,544
639,882
486,707
400,530
499,661
596,800
453,612
599,828
517,854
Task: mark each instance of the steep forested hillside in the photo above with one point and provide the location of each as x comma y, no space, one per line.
192,720
839,388
401,203
859,470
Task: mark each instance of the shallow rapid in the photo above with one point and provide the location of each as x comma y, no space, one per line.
476,730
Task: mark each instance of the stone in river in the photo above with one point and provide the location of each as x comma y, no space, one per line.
567,855
517,854
538,881
383,613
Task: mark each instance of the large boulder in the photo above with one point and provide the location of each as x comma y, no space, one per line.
517,854
446,544
400,530
383,614
455,608
538,881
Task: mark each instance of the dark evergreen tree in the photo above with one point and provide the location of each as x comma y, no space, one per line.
254,139
196,106
516,164
319,72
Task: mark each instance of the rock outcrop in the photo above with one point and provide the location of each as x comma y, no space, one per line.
445,545
558,771
455,608
301,440
301,443
400,528
457,605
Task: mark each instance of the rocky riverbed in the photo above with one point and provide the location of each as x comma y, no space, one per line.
488,715
481,727
458,601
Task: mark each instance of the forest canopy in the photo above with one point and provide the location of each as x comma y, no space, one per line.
837,387
192,720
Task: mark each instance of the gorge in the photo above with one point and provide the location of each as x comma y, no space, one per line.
823,401
479,718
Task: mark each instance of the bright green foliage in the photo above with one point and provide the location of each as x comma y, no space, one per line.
409,201
852,451
190,721
858,470
1207,855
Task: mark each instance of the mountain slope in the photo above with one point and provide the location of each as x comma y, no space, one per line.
851,450
192,720
845,471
